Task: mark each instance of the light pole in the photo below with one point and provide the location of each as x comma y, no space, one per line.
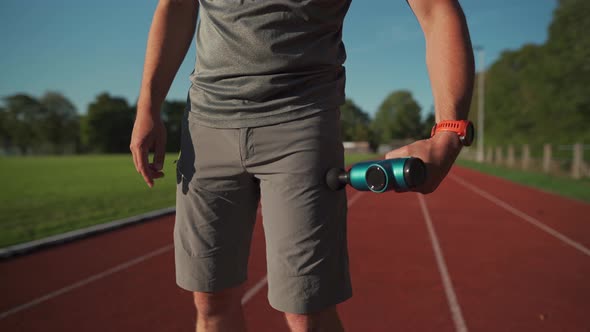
480,103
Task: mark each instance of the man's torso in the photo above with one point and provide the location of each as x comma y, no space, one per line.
262,62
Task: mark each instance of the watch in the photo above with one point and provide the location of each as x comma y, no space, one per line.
463,128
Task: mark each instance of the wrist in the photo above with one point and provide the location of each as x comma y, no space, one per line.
463,129
151,97
146,107
447,140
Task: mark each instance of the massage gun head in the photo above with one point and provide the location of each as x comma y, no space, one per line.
336,178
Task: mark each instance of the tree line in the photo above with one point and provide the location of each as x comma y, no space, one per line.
399,117
51,124
536,94
541,93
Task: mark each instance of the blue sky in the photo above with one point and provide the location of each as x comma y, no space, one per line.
83,48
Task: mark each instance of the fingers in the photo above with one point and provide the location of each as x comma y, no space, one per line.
420,150
159,154
135,163
148,135
397,153
438,160
143,166
140,160
149,171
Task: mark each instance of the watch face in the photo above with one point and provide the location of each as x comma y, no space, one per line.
469,134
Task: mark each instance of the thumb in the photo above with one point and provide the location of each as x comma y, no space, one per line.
398,153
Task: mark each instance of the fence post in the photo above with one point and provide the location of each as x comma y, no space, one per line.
510,158
499,155
547,158
577,161
490,155
526,156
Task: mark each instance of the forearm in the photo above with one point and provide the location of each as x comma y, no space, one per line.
449,58
170,36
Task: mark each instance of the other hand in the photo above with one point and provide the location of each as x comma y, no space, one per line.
149,134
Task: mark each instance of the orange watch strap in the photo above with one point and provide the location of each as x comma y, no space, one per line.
457,126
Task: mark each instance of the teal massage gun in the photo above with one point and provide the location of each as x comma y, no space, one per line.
399,174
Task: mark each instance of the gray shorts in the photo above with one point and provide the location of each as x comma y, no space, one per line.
222,174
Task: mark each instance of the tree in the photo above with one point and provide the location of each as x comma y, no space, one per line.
398,117
46,125
61,125
4,136
2,120
541,93
22,121
107,126
568,51
172,113
354,122
517,96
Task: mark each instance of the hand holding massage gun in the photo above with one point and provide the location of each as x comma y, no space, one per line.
398,174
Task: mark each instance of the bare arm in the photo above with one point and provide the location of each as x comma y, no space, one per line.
170,36
449,58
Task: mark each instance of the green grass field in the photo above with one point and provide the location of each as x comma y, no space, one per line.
577,189
356,157
43,196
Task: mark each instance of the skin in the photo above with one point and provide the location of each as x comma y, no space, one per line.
220,311
449,58
169,39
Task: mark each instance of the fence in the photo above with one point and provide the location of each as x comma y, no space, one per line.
356,147
565,160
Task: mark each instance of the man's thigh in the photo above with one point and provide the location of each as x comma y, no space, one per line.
216,204
304,221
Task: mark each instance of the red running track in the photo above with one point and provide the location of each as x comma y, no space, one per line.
510,258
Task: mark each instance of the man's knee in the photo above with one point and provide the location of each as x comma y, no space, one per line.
217,303
316,320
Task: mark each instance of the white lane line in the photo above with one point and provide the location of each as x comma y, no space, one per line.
460,325
252,291
354,198
86,281
523,215
260,284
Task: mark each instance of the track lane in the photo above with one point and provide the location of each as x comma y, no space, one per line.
25,278
396,284
447,282
508,275
143,296
567,216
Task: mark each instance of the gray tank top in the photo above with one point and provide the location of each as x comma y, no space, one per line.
262,62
